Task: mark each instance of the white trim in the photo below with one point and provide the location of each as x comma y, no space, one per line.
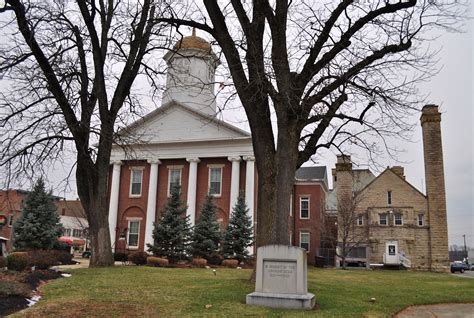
401,218
216,166
132,170
217,195
291,205
309,209
360,217
10,220
133,247
175,166
309,239
422,220
180,168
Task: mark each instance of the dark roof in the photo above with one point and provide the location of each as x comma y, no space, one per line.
311,173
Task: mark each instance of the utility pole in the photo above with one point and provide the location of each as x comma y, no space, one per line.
465,249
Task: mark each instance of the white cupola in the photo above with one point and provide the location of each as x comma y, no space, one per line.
191,74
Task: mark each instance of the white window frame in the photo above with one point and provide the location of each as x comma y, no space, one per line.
302,233
132,170
215,167
305,198
389,197
133,247
291,205
360,220
421,217
395,218
386,219
170,168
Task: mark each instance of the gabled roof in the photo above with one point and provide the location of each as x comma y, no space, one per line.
176,122
389,170
71,208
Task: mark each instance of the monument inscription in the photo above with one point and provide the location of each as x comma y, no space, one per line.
279,276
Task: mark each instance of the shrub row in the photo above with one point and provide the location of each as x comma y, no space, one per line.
41,259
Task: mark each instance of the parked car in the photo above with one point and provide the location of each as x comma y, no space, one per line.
86,254
458,266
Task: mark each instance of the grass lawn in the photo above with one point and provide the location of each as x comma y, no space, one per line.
164,292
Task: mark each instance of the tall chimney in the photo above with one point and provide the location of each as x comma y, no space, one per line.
435,188
344,179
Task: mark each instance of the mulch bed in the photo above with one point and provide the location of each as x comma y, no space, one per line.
14,299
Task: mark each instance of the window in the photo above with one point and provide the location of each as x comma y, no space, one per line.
136,176
67,232
215,181
421,220
304,240
133,233
383,219
360,220
304,207
389,197
398,219
10,220
174,178
77,233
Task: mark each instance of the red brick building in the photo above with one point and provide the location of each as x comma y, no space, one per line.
10,207
183,143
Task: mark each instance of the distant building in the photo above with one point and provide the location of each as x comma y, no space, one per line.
74,221
11,207
398,223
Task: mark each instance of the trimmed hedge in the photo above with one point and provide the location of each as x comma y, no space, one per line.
230,263
199,262
138,258
120,257
17,261
42,259
157,261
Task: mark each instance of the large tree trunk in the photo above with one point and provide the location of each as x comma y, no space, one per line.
92,189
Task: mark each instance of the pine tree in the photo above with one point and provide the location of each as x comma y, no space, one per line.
172,234
239,232
39,226
206,235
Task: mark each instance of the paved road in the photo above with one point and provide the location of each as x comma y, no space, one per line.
438,311
467,274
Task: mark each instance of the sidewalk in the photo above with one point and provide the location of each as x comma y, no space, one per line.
438,311
83,263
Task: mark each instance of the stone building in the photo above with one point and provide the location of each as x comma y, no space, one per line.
395,223
182,142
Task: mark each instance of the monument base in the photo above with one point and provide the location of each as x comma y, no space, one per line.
289,301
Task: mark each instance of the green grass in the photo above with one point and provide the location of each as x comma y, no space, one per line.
150,292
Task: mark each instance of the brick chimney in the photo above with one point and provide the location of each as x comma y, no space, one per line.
435,187
399,170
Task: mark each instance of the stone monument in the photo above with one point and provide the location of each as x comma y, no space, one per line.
281,278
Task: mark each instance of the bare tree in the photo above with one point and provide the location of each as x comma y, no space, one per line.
69,69
313,75
352,231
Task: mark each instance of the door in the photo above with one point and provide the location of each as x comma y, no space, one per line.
391,252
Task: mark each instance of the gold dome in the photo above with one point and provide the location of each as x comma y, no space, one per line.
193,42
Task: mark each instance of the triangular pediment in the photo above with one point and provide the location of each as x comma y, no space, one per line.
175,122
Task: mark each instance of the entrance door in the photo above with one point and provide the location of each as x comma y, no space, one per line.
391,252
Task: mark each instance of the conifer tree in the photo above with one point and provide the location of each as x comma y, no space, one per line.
239,232
206,235
172,234
39,226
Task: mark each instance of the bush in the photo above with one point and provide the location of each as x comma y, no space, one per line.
120,257
230,263
138,258
157,261
17,261
63,257
3,262
42,259
199,262
215,259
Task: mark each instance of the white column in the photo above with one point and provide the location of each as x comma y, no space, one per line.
234,182
114,200
192,185
250,189
151,204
